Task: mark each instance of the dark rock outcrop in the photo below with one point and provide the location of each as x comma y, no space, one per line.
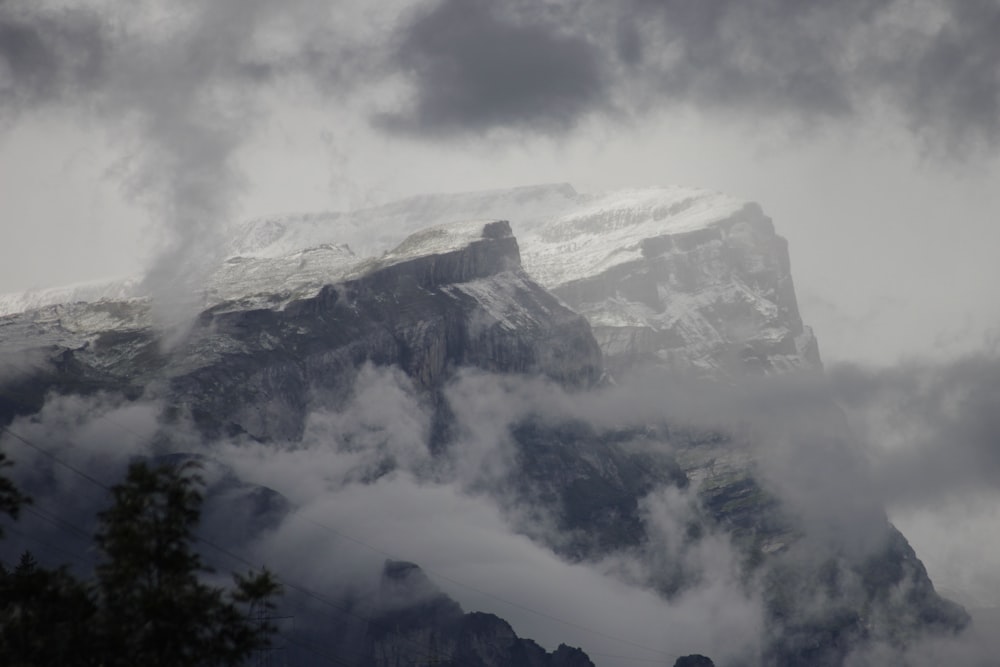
694,660
414,623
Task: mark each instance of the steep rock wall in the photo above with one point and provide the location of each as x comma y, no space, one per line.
717,299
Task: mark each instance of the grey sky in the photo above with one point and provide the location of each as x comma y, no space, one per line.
868,129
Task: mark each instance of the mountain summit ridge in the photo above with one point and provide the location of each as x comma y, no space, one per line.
679,276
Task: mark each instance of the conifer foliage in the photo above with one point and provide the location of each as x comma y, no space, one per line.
11,499
46,617
148,603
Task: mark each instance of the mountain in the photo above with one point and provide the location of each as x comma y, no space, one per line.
677,275
682,276
532,345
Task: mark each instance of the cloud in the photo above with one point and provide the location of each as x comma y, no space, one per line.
912,433
95,436
476,65
364,486
951,82
97,433
352,509
158,89
757,54
46,57
474,68
931,429
179,87
975,651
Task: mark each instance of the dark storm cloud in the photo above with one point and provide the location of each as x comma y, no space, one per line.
476,66
767,54
44,57
954,84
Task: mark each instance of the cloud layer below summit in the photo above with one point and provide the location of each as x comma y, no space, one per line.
443,513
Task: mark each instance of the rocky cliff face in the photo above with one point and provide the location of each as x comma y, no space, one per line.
823,595
684,277
449,297
715,299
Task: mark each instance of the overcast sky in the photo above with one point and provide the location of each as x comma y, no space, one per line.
867,129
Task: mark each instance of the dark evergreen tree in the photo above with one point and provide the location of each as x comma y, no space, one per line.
11,499
154,608
148,604
46,617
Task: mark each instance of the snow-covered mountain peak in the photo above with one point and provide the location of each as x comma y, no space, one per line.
547,212
373,231
563,234
678,275
112,289
601,231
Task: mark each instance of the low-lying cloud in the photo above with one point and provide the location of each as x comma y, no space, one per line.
364,486
933,428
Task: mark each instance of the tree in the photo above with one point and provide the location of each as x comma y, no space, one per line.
148,604
11,499
46,617
153,607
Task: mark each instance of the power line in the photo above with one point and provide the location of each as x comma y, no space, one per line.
55,458
48,517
